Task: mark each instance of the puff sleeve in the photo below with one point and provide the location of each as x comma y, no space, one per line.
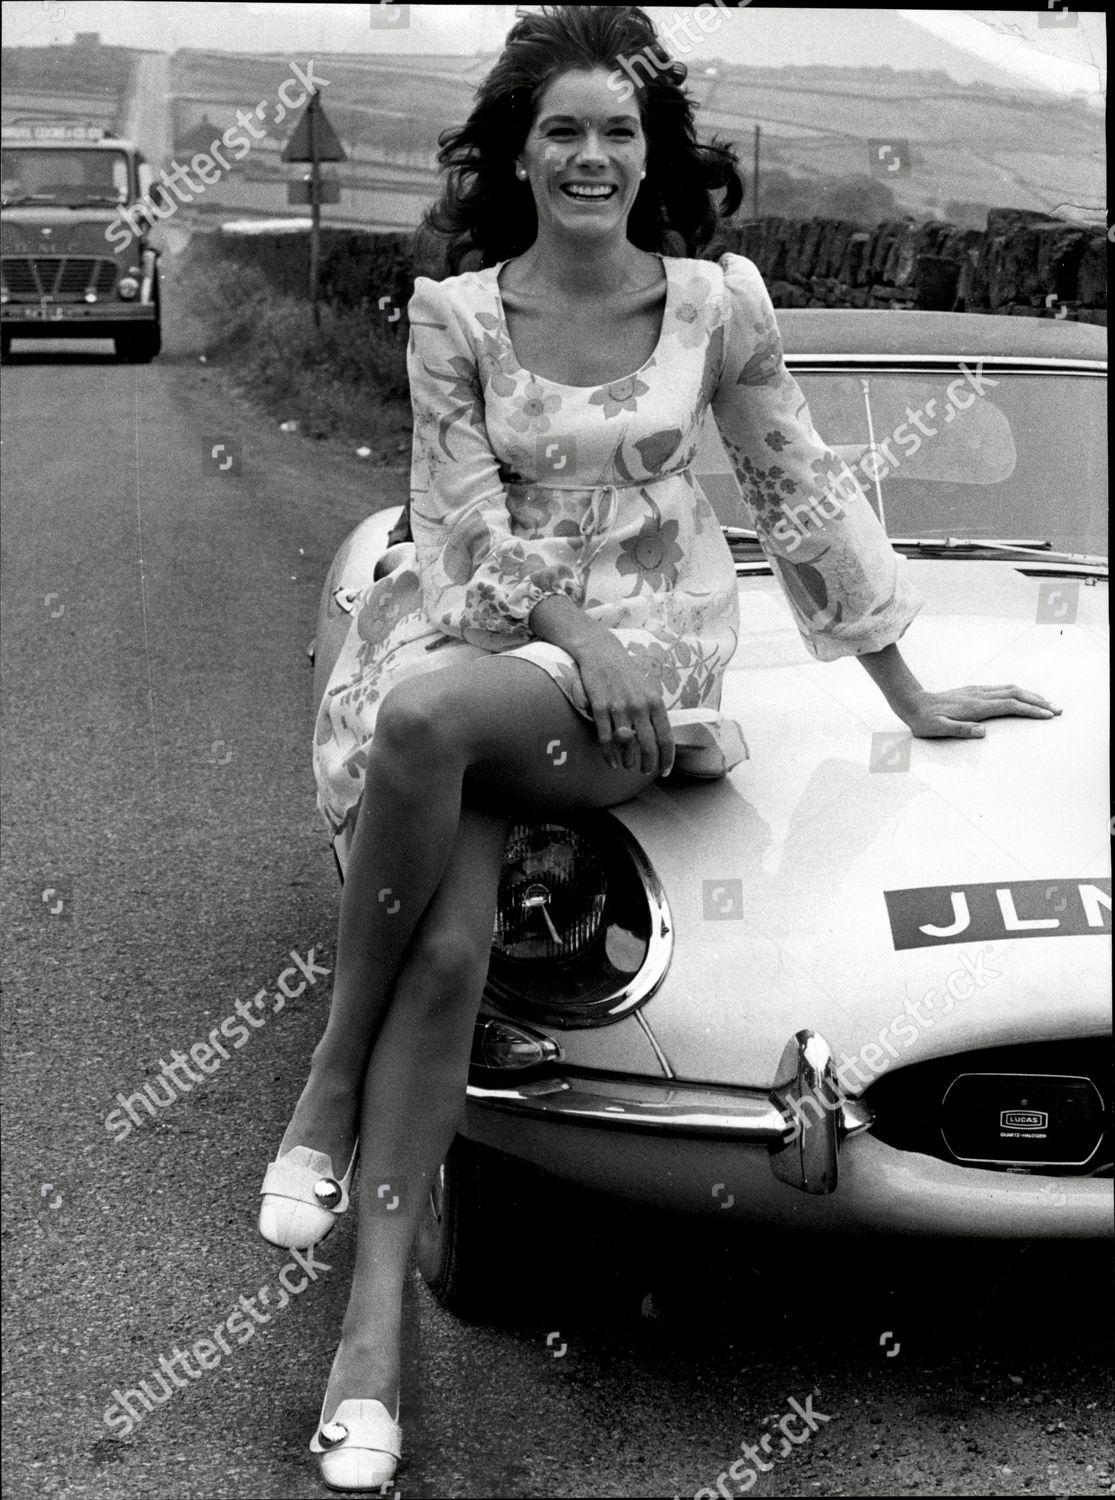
844,582
479,581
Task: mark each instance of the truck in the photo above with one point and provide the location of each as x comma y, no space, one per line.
75,255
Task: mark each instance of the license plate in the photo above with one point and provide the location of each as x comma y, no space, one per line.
47,314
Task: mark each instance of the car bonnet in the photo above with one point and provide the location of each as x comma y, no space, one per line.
799,885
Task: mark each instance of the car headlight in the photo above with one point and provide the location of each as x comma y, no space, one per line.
552,891
583,934
128,287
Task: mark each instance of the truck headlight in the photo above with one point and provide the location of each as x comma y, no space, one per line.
128,287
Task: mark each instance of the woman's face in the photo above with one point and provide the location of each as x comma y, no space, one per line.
583,135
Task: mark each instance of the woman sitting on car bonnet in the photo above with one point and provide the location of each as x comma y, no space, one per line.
568,586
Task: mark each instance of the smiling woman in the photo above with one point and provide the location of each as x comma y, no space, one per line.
572,574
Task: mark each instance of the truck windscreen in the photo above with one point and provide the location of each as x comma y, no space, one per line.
72,176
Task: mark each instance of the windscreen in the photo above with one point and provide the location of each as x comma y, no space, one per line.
999,456
72,176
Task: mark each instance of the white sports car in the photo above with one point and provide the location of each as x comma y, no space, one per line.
863,981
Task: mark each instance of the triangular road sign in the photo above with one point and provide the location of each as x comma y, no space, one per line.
325,138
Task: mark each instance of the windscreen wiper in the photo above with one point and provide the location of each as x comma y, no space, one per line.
1030,548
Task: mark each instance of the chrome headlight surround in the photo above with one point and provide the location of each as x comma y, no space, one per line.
625,941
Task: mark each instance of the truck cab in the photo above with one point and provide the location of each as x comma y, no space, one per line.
75,258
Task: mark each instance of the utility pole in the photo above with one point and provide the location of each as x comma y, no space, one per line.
315,205
755,169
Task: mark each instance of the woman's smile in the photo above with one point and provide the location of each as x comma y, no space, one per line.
583,192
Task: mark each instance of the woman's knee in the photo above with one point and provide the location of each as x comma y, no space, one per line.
414,723
446,966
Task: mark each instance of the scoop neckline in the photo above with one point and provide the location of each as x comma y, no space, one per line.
600,385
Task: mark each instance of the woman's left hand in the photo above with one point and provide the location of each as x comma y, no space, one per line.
956,713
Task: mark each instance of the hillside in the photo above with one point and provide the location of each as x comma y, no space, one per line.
952,151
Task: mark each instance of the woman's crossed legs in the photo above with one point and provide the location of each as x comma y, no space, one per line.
456,758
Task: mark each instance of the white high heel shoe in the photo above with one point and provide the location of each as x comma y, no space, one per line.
302,1199
359,1448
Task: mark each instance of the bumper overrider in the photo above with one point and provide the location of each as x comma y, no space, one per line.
771,1156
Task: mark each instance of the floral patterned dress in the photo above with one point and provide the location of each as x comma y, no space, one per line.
523,487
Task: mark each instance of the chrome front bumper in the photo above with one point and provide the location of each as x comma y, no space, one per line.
803,1118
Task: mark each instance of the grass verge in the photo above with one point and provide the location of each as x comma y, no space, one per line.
344,381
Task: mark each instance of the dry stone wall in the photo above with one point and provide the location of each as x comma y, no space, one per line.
1025,264
1022,263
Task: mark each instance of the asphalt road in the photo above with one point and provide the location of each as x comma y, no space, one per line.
162,860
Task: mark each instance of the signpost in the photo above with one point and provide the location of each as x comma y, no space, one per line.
299,191
314,140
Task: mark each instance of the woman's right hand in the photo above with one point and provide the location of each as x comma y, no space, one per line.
620,699
619,696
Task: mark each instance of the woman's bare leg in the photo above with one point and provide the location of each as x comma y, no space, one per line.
414,1097
503,726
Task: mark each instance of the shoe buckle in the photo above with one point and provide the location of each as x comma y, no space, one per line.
327,1192
332,1434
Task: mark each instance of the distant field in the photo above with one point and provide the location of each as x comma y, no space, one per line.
959,149
1004,148
977,144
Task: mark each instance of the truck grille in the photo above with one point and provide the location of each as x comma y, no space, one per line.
65,278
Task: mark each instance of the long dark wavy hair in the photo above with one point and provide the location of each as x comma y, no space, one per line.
485,214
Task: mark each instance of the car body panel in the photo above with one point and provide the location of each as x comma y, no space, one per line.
881,1189
624,1047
